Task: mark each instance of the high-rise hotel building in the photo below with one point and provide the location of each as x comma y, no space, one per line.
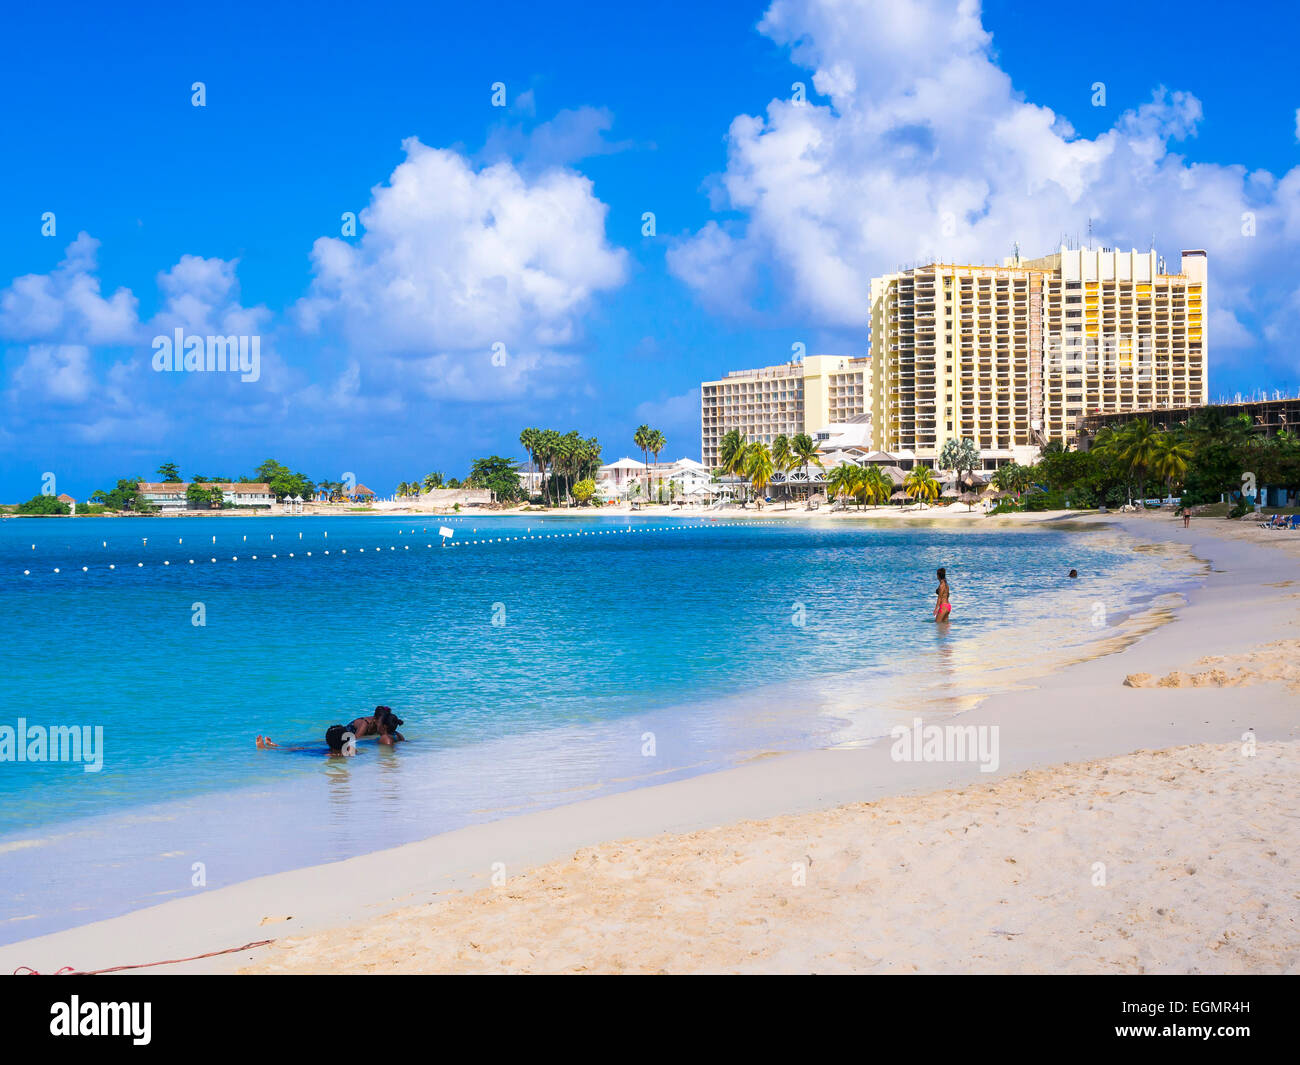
796,397
1010,356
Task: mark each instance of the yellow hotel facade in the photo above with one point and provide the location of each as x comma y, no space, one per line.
803,396
1010,356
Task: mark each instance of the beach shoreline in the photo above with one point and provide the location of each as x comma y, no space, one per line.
1246,603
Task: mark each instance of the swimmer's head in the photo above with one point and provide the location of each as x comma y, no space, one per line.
334,738
942,574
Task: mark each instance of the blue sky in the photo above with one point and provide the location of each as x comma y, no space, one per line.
770,217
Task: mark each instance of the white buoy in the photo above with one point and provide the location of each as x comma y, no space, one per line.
112,566
166,563
56,569
27,573
139,565
85,569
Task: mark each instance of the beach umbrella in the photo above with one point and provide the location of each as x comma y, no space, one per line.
898,497
948,493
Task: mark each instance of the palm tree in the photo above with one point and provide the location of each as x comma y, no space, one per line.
783,459
1169,459
805,452
1013,478
655,443
531,441
570,450
960,456
1137,451
731,453
758,468
641,438
842,481
877,487
921,484
550,450
1108,443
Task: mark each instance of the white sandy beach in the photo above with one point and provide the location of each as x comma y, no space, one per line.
1132,766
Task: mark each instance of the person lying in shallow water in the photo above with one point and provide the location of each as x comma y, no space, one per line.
341,739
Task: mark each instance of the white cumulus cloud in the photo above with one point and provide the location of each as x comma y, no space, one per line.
67,304
454,260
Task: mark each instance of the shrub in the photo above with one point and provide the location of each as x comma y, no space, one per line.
1037,501
44,505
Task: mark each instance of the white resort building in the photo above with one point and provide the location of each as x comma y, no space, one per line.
170,495
631,479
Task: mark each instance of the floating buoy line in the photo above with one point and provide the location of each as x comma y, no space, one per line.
450,542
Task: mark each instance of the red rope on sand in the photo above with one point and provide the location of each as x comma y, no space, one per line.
68,970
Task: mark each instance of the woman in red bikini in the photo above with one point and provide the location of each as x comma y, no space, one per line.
942,608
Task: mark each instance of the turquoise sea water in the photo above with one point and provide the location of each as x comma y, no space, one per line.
529,671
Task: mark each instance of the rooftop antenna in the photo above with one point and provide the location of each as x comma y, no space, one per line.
1090,234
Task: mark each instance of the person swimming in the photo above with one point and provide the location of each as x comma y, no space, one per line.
942,607
382,723
340,740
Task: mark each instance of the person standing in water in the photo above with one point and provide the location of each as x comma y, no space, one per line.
942,607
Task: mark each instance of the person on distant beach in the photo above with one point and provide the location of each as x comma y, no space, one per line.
1187,517
942,607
